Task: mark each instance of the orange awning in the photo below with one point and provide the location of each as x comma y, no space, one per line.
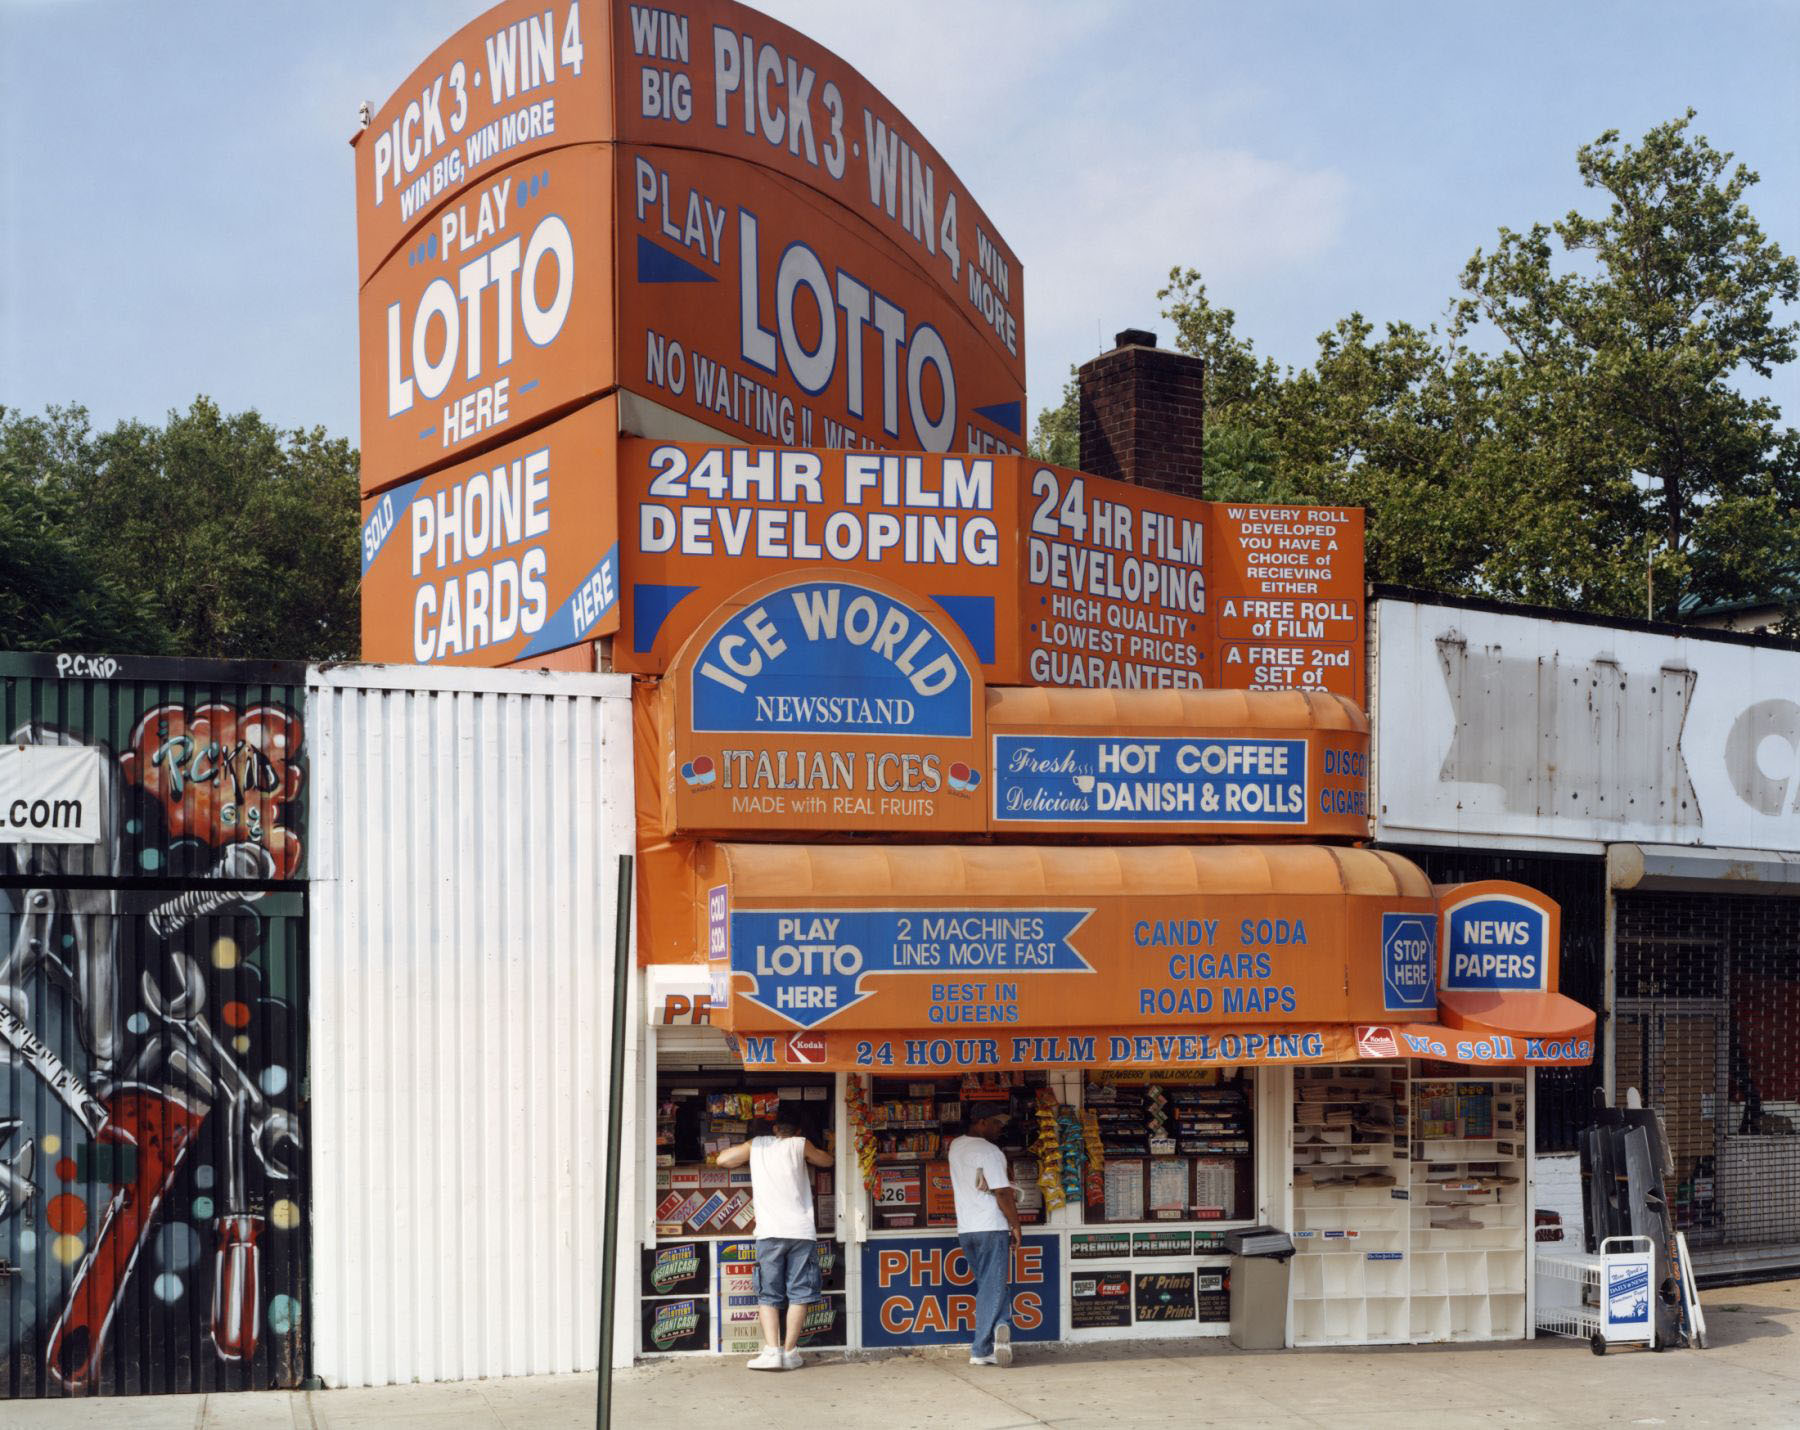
1524,1015
992,939
1194,712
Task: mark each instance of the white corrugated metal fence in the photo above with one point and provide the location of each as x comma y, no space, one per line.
467,827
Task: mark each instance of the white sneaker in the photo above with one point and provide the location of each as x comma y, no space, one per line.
983,1360
1003,1344
770,1359
790,1360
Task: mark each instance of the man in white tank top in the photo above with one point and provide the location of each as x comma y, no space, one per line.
787,1246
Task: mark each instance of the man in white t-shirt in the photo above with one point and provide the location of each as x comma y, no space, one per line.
987,1228
787,1245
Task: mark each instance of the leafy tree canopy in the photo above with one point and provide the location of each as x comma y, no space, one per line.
1575,434
211,535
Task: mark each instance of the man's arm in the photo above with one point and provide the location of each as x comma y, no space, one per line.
736,1156
818,1158
1004,1193
1009,1208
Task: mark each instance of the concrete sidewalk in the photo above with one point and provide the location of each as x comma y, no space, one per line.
1750,1376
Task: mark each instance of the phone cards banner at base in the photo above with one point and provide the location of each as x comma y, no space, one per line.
920,1291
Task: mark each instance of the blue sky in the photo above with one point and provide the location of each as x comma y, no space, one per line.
177,215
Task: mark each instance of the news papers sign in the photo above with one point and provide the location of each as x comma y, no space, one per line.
49,794
1496,943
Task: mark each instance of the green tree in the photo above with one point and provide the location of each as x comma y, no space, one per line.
242,537
1056,436
1628,359
1577,429
53,593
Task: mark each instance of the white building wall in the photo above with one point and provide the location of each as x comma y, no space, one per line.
466,830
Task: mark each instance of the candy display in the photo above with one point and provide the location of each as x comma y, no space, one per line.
856,1098
1049,1149
698,1116
909,1126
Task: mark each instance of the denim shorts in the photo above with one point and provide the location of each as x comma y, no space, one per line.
787,1271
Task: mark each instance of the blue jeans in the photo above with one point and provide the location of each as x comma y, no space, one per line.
787,1272
989,1254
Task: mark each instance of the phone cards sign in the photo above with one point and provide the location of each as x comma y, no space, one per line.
1149,781
920,1291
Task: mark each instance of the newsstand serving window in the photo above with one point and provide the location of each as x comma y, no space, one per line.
698,1115
1168,1145
910,1125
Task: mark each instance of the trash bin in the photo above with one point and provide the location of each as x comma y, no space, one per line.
1259,1287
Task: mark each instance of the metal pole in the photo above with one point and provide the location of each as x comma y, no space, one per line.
615,1152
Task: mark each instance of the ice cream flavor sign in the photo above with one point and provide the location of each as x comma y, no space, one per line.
810,702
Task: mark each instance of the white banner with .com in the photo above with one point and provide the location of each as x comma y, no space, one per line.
49,794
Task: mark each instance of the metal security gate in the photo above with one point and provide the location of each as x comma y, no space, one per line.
1708,1029
154,1225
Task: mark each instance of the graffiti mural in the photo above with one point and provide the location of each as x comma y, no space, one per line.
152,1051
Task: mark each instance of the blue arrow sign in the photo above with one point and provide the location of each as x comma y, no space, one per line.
807,966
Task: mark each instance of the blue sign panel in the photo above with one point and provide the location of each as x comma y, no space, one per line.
919,1291
1149,781
1627,1294
1409,962
832,658
1496,943
807,966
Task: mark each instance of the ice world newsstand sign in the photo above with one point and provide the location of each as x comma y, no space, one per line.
824,703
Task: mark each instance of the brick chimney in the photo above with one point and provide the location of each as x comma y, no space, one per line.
1142,414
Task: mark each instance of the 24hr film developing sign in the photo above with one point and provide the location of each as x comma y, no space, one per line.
1055,578
707,521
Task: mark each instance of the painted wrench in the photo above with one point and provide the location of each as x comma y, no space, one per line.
237,1278
159,1128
